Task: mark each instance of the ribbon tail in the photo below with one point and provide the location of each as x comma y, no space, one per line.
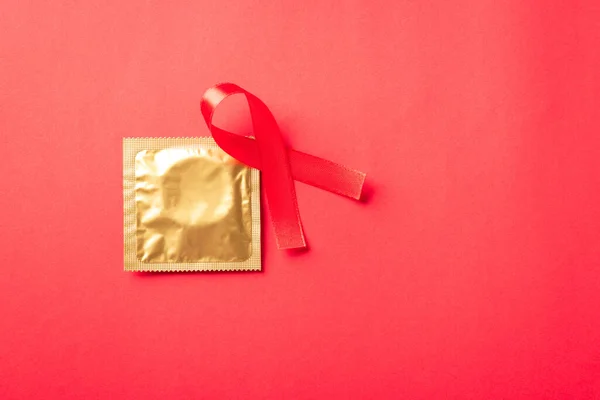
326,174
277,177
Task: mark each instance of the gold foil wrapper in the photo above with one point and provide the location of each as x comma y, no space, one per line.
188,206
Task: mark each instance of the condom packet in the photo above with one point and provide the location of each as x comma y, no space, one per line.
188,206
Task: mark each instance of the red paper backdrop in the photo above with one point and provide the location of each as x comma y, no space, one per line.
472,272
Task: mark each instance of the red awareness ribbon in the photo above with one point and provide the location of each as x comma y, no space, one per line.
280,165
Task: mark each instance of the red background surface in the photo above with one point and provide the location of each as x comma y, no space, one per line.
472,272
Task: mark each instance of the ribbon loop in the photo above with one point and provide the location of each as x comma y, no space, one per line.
280,166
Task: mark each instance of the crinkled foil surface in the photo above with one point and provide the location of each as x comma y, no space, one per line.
193,207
